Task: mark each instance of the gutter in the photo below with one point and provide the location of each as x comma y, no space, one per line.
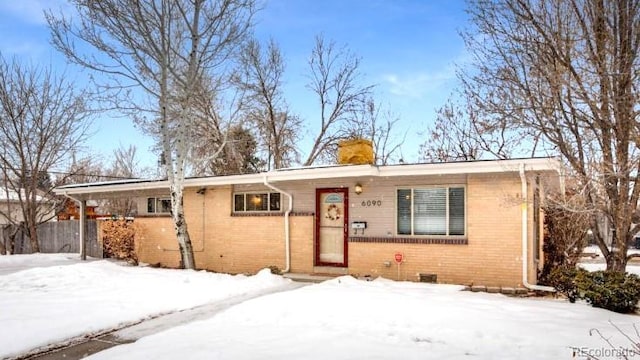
525,245
287,236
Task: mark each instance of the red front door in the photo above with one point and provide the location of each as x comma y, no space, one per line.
332,219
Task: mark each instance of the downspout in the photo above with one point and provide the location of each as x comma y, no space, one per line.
287,237
525,245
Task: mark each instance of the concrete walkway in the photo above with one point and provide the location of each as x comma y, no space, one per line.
84,347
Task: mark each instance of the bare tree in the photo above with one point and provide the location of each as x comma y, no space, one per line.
261,78
568,70
42,120
222,134
460,133
566,223
85,169
125,164
167,49
238,156
378,125
334,78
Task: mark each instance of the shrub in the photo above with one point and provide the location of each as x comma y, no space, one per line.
565,232
615,291
275,270
563,278
118,240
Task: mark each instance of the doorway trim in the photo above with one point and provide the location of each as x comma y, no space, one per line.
318,218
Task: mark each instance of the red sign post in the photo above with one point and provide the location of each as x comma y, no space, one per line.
399,257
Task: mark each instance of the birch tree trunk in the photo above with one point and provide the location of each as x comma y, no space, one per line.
167,50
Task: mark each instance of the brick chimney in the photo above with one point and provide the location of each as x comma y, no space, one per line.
355,152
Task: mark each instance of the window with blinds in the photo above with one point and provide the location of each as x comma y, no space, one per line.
431,211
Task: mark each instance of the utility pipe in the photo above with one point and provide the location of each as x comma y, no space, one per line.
525,245
287,237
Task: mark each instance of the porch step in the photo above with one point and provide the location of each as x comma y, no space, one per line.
312,278
330,270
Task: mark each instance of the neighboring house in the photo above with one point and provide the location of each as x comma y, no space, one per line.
11,211
71,211
459,222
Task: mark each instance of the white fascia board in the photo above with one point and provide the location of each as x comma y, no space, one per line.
106,187
472,167
286,175
272,176
475,167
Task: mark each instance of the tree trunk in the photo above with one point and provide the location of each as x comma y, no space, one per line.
11,246
182,233
617,261
33,238
9,238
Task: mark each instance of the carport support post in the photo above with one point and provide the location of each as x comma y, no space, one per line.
83,226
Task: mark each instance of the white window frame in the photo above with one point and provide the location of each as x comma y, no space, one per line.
420,187
158,205
249,193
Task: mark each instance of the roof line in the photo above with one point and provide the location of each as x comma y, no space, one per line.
325,172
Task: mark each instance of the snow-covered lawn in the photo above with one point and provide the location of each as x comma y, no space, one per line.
347,318
343,318
59,298
11,264
632,269
595,250
597,262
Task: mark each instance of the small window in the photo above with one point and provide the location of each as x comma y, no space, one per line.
158,205
274,202
164,205
256,202
238,202
151,205
431,211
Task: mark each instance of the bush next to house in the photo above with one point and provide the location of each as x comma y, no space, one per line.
610,290
563,279
118,240
565,232
615,291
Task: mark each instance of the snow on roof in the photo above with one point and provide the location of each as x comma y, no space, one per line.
12,195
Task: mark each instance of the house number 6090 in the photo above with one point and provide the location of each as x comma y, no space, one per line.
371,203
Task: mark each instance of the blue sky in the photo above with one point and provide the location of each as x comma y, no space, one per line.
409,49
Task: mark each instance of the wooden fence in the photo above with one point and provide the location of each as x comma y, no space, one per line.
61,237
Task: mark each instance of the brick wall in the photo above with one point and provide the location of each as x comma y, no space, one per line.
226,243
156,242
490,253
491,257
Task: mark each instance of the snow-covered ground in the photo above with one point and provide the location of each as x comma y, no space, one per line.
595,250
347,318
343,318
11,264
593,260
59,298
633,269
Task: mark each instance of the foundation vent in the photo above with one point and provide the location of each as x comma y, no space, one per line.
428,278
